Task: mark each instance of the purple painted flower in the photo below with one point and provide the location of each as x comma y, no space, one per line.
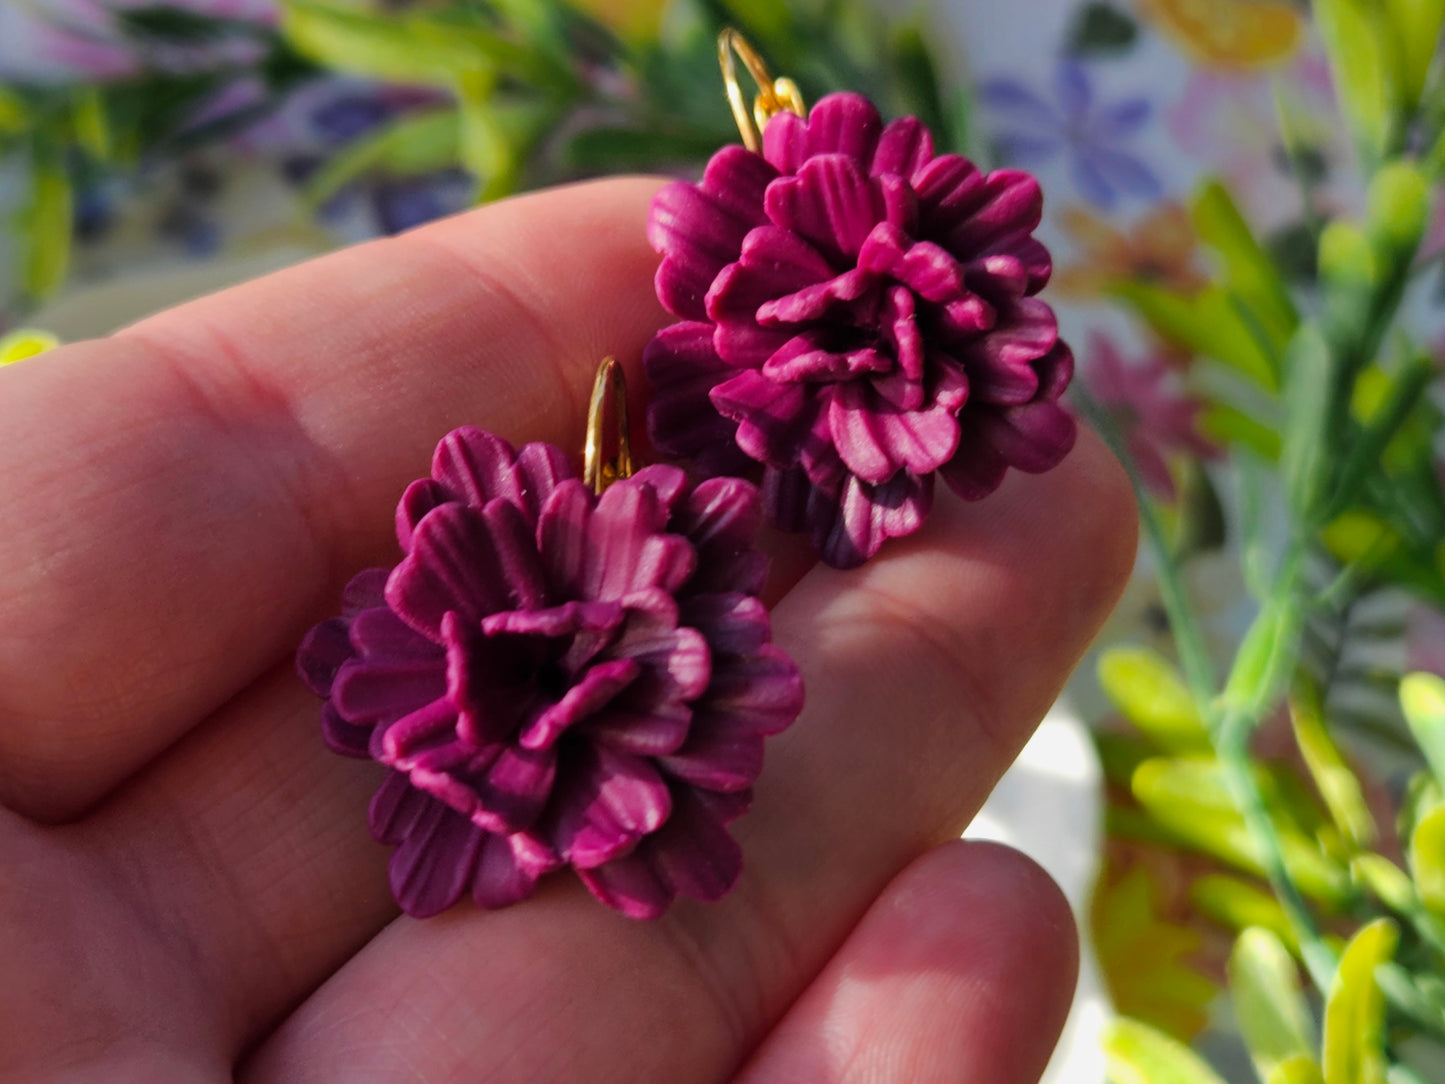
1093,136
858,315
557,679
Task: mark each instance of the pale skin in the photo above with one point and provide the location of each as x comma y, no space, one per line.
190,891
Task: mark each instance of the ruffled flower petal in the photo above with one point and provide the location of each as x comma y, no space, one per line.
905,147
873,326
682,366
435,861
729,200
831,203
554,678
613,800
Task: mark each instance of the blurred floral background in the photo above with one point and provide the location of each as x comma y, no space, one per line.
1250,264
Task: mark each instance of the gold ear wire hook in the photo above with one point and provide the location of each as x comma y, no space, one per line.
597,472
774,95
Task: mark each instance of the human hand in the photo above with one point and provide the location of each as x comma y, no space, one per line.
191,890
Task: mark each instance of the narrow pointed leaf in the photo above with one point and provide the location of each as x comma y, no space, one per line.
45,227
1209,323
1307,453
1422,699
418,48
418,143
1361,50
1354,1050
25,343
1187,796
1135,1053
1249,270
1151,694
1416,25
1269,1005
15,115
1398,207
1332,777
1239,904
1427,859
1300,1069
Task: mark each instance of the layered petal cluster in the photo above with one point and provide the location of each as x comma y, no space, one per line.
557,679
858,314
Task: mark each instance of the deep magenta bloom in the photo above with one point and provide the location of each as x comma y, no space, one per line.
858,315
557,679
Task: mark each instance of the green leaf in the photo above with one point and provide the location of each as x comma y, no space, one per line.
1101,30
1360,537
1269,1006
1300,1069
91,124
1422,699
25,342
417,48
1255,675
918,89
1346,255
1309,401
1416,25
1237,904
415,143
45,227
1230,426
1396,891
484,146
1188,797
1354,1049
1427,859
1337,785
1121,753
1386,880
1209,323
1398,207
1362,57
15,114
1135,1053
607,150
1405,996
1249,269
766,18
1151,694
1422,794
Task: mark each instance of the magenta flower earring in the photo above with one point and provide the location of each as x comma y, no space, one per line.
858,315
559,672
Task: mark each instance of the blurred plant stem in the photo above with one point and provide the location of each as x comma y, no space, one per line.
1350,388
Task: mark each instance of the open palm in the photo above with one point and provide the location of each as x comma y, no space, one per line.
190,891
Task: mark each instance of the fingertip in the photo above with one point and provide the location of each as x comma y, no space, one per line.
1108,523
963,969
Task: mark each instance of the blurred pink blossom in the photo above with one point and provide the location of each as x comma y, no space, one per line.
1156,415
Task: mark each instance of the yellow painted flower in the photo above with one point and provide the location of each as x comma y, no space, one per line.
1157,249
25,343
1228,33
630,18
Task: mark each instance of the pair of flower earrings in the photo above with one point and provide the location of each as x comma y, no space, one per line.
569,671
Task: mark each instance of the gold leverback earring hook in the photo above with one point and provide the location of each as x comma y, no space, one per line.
774,95
599,472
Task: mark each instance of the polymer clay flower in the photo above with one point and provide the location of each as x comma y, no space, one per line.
557,679
858,316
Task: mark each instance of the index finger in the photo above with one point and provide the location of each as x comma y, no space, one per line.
185,497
